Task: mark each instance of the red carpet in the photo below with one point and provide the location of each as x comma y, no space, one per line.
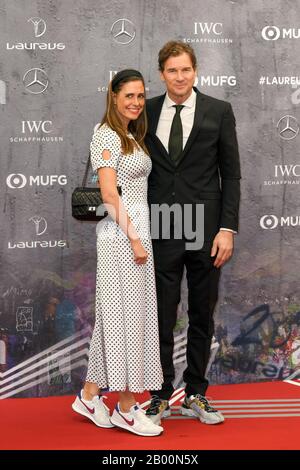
50,423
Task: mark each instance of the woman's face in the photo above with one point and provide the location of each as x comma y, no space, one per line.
130,101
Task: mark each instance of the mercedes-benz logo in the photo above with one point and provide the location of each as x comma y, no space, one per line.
288,127
123,31
39,26
40,224
35,81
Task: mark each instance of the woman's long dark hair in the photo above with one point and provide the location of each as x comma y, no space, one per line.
137,127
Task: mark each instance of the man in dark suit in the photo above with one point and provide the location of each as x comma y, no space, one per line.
195,160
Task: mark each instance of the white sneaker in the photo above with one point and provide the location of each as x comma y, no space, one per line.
135,421
95,410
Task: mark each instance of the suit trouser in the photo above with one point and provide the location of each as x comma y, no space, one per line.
170,257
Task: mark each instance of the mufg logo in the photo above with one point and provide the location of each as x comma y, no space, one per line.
272,33
18,180
271,221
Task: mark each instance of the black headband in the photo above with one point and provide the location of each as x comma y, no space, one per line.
127,73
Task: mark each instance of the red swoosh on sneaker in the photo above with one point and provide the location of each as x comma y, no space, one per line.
91,410
131,423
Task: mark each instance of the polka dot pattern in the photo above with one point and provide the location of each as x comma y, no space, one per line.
124,350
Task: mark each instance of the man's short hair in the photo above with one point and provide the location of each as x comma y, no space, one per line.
173,49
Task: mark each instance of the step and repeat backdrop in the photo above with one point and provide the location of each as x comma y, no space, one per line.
56,59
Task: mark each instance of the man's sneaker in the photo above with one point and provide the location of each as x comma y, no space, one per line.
158,409
95,410
135,421
198,406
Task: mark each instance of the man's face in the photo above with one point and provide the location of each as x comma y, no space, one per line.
179,76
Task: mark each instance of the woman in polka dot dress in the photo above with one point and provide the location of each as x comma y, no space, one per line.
124,351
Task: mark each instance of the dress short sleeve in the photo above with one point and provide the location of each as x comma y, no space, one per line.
105,139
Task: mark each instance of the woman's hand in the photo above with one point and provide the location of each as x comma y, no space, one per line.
139,252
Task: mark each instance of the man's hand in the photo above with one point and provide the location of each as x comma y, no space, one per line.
222,247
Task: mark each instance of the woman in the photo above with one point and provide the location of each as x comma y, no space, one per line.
124,350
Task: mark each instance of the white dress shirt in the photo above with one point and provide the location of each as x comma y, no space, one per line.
187,115
166,118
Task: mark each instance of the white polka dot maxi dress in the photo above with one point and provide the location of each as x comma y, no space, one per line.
124,350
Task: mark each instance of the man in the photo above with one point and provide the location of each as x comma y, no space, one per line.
195,160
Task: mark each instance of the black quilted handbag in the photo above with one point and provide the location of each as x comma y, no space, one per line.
85,201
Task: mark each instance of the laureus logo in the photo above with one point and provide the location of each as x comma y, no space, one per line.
39,28
40,224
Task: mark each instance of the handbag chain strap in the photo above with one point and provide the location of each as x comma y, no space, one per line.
86,171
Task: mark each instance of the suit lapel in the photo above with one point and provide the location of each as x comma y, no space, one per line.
200,110
154,113
153,118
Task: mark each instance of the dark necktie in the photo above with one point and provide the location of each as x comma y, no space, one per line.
176,135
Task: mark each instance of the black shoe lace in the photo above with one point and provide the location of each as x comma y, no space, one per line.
206,403
154,405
